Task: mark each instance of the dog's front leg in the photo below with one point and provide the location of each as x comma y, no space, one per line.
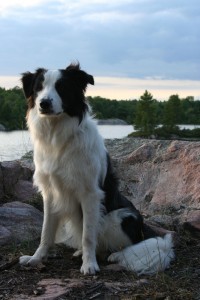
49,228
91,214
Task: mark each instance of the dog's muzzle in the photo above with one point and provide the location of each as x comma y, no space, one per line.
46,106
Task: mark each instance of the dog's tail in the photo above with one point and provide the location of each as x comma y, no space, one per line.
147,257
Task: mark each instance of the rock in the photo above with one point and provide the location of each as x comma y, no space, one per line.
16,180
1,184
54,288
162,220
111,122
159,177
192,222
47,289
11,171
23,221
143,153
5,235
2,127
24,191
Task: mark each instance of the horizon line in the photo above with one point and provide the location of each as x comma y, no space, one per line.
126,88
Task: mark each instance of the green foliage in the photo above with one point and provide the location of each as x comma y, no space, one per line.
145,119
164,132
110,109
12,108
172,112
145,113
167,132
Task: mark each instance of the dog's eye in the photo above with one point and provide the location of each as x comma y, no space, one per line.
38,84
38,87
60,86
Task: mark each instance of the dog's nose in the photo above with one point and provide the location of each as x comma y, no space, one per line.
45,104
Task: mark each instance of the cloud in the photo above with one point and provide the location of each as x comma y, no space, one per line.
117,38
10,6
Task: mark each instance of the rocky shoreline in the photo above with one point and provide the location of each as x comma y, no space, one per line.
2,127
161,178
111,122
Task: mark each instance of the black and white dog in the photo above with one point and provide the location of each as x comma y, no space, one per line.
82,204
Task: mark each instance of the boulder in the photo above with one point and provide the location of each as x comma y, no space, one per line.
12,172
5,235
192,222
16,180
19,222
143,153
1,184
24,191
161,178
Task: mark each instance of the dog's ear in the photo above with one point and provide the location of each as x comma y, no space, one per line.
83,77
89,78
86,79
27,80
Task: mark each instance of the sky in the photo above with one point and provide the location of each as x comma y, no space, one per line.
129,46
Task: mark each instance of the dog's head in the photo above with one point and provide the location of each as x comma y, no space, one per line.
54,92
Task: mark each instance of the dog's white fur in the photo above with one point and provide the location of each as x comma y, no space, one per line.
143,257
70,163
68,160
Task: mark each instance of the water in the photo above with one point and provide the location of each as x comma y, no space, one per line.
115,131
13,145
189,126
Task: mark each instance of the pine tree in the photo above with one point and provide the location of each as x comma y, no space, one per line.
145,120
172,112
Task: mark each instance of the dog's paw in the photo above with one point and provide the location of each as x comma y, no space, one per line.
27,260
77,253
90,268
114,257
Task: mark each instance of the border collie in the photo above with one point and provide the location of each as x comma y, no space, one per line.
82,204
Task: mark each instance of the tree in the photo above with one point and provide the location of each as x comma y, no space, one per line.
12,108
145,120
172,112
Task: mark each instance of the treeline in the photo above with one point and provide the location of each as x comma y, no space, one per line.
12,108
104,108
181,111
186,110
173,112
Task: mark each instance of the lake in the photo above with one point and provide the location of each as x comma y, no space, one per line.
14,144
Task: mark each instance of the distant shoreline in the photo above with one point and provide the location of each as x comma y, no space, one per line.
111,122
99,122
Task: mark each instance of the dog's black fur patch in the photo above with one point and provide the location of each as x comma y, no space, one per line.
113,198
132,227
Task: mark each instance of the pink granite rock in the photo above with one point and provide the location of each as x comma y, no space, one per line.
159,177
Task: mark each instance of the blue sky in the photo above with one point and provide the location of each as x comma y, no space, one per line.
128,45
